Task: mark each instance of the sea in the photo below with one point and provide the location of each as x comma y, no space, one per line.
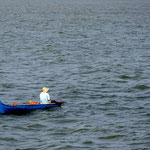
92,54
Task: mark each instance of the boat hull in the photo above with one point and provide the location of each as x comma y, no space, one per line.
23,109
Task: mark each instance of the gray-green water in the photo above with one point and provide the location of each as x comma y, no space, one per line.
94,55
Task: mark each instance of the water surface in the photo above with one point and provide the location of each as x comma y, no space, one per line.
94,55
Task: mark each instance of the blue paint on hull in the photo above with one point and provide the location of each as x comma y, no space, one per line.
23,109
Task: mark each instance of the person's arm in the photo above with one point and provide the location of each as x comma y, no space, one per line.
48,97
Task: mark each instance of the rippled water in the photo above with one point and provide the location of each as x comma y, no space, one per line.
94,55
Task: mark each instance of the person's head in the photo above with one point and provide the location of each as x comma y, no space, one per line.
44,89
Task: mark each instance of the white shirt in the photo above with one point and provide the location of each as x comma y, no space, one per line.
44,97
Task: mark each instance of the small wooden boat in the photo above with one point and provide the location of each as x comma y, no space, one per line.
19,109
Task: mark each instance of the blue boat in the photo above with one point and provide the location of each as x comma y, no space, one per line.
26,108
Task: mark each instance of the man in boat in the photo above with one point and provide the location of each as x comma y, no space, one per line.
44,96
